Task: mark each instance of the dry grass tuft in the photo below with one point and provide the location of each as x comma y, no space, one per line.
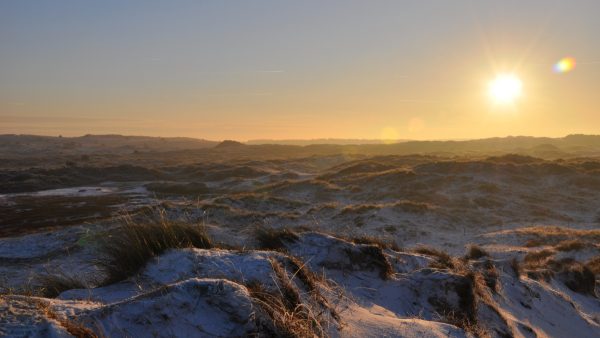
133,244
576,276
537,257
475,252
312,283
532,243
553,235
571,245
377,241
442,259
54,284
369,256
360,208
490,275
516,267
594,265
289,315
403,206
274,239
465,316
74,328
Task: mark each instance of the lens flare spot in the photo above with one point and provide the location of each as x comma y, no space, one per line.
416,125
389,135
564,65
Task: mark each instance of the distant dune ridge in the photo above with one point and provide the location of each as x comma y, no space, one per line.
572,145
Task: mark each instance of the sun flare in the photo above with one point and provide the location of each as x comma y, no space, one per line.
505,88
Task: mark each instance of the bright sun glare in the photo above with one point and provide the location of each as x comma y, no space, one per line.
505,88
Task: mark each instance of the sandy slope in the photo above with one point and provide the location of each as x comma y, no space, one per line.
198,292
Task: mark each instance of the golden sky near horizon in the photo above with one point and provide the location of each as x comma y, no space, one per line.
299,70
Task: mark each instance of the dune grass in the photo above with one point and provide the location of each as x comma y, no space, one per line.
126,250
53,284
475,252
290,316
274,239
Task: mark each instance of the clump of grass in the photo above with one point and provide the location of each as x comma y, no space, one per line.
74,328
465,316
516,267
360,208
369,256
537,257
312,282
465,290
576,276
532,243
475,252
128,249
570,245
535,264
53,284
377,241
289,316
552,235
288,292
442,259
594,265
274,239
490,275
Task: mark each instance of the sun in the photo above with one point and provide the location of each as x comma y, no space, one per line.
505,88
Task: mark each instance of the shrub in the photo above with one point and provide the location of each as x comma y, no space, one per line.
133,244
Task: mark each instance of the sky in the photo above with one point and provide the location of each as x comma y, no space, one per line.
277,69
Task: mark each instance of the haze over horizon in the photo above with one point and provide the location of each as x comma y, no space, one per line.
307,70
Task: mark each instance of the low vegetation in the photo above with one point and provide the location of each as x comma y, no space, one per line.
576,276
274,239
535,258
475,252
74,328
290,316
53,284
377,241
128,249
442,259
555,235
594,265
571,245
